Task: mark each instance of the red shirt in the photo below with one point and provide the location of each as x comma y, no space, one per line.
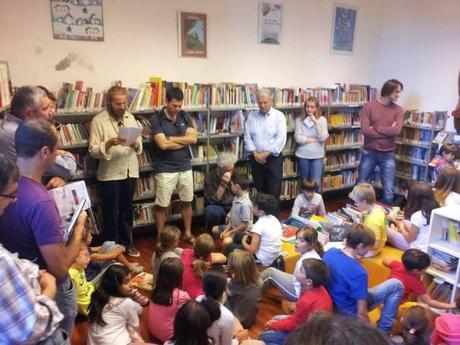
310,301
377,126
411,282
190,282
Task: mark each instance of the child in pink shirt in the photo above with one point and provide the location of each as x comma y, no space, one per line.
166,299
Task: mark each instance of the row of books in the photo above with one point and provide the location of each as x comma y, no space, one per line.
151,95
435,119
418,135
345,178
5,86
85,164
145,159
344,119
451,232
411,152
290,120
232,123
415,172
244,169
290,189
289,167
144,213
74,133
290,144
203,153
440,290
443,261
146,127
341,159
344,138
352,93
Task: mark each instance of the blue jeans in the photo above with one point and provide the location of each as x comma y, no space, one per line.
214,215
389,294
311,169
274,337
386,164
59,337
66,299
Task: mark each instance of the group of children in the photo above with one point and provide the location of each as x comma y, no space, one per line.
194,283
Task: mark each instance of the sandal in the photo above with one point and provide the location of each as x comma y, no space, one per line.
189,240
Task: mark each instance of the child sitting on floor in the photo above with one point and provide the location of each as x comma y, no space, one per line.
409,271
84,288
416,326
446,328
197,261
264,242
167,247
307,245
244,287
447,152
312,276
240,214
308,203
105,255
167,297
373,216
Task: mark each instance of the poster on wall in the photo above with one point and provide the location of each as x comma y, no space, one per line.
77,20
270,22
192,34
343,29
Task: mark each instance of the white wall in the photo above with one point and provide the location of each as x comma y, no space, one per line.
141,40
419,44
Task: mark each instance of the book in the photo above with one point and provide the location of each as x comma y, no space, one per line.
143,281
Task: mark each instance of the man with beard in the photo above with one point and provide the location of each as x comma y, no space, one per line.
118,167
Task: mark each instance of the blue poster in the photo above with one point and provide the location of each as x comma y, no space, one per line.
344,29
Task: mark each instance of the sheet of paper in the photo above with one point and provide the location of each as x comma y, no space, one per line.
130,134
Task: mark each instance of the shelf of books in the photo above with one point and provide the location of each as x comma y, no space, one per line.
6,89
414,146
444,250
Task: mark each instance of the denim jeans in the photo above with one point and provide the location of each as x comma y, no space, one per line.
389,294
59,337
386,163
282,280
66,299
274,337
311,169
214,215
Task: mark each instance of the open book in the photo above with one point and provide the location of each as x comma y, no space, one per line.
71,200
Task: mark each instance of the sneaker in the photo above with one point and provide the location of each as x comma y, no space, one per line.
131,251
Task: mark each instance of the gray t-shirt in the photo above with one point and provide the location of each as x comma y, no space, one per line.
241,211
306,208
314,150
169,254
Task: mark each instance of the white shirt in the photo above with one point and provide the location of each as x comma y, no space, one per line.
420,222
119,313
270,232
453,199
312,254
306,208
119,162
265,132
221,331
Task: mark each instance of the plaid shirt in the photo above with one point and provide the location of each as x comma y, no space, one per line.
27,316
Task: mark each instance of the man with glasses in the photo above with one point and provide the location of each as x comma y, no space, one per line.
173,132
31,102
118,168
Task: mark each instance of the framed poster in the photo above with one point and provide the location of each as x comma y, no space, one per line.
6,89
192,34
77,20
270,23
343,29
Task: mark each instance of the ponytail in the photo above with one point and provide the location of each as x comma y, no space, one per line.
203,248
319,248
200,267
212,307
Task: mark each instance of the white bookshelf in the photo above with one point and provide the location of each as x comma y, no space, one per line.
439,218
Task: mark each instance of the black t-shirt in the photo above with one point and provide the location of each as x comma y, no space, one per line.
171,160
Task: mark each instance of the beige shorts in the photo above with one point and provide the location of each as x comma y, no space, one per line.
166,183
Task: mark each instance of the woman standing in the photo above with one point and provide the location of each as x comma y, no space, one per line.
310,135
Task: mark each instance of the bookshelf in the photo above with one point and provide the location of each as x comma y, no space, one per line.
218,112
444,249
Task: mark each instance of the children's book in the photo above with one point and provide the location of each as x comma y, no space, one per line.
143,281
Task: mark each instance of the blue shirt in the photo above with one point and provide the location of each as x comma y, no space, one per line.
347,281
265,132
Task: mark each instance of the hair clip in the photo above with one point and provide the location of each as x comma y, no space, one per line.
412,331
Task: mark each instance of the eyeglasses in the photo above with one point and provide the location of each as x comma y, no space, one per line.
9,196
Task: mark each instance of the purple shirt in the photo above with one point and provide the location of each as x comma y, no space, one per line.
31,222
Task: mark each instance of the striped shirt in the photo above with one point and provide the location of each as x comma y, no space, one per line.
377,126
